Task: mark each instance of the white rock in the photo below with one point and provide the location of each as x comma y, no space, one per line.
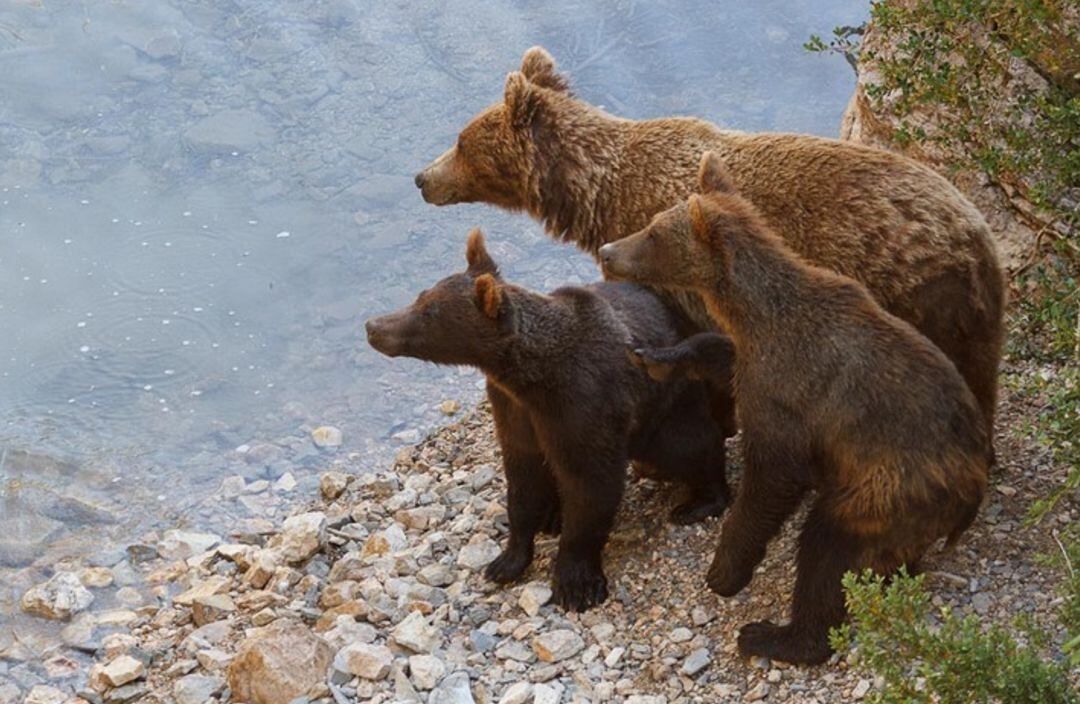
426,671
123,669
371,662
758,692
547,693
557,645
518,693
477,554
680,635
696,661
533,596
327,436
416,634
59,598
302,535
861,689
454,689
646,699
614,656
207,587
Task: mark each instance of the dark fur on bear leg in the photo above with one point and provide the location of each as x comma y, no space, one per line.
826,552
511,562
579,583
768,494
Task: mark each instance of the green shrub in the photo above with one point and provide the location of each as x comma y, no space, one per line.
941,658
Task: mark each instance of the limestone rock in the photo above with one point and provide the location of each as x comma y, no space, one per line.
44,694
278,663
302,535
196,689
533,596
206,609
207,587
123,669
59,598
454,689
478,554
371,662
426,671
416,634
332,484
557,645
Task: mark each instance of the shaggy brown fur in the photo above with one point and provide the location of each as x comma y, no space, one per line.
570,409
833,394
913,240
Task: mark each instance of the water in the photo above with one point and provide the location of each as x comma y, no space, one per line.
202,201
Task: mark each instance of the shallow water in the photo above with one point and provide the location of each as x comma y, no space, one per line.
202,201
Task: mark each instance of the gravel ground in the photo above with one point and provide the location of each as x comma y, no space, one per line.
374,593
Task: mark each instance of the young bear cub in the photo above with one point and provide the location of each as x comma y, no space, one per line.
570,409
833,394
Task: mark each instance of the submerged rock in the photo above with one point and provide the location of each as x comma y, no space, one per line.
59,598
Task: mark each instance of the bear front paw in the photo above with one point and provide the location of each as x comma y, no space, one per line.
579,586
783,643
509,565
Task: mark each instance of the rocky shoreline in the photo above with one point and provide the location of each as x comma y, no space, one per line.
373,592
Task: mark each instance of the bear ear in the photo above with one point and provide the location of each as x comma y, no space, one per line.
699,221
476,254
489,296
539,67
521,99
713,175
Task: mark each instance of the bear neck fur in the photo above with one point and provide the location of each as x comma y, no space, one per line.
593,177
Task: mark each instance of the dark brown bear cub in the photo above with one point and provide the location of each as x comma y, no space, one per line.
570,409
833,394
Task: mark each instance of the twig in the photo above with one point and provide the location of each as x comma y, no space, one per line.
1064,553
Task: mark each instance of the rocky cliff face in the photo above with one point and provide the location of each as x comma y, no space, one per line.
1017,223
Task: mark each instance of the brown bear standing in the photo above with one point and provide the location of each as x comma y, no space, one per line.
570,409
923,251
833,394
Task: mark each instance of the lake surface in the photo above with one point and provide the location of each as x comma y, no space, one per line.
202,201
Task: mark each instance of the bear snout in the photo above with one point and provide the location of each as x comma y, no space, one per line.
379,338
419,180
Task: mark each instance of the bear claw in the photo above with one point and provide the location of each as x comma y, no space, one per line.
579,588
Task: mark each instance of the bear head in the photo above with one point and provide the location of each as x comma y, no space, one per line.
493,158
463,319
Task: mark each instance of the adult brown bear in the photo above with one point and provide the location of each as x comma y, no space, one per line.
923,251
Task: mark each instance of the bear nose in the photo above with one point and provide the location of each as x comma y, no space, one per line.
372,328
419,180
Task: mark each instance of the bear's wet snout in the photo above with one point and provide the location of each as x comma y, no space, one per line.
419,180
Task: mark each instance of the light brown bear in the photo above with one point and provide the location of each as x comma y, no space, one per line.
835,396
923,251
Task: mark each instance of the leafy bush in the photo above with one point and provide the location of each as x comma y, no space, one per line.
944,660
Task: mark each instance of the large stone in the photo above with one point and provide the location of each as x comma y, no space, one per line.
454,689
59,598
278,663
207,609
557,645
199,590
196,689
301,536
371,662
44,694
416,634
228,131
477,554
180,545
533,596
326,436
123,669
426,671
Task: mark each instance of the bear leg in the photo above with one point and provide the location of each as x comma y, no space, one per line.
826,552
532,502
590,497
769,493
